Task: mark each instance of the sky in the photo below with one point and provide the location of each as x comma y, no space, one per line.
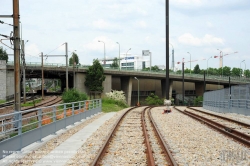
199,27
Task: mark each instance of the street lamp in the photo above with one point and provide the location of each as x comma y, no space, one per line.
190,61
172,56
119,56
73,54
240,66
207,64
138,103
104,52
126,59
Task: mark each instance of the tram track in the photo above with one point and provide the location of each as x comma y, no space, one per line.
228,131
132,139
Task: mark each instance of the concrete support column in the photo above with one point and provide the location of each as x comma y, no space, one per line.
126,86
170,88
79,84
107,84
63,84
163,88
199,88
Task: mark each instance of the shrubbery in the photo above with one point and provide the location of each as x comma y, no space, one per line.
198,101
73,95
153,99
116,97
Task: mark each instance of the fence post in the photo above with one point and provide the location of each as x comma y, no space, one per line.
40,123
54,118
19,123
64,117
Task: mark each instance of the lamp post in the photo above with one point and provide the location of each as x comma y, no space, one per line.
119,56
138,103
240,67
172,56
207,64
190,61
104,52
73,54
127,58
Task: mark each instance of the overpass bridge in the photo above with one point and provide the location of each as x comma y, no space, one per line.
150,81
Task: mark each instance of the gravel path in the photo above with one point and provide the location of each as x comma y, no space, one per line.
193,143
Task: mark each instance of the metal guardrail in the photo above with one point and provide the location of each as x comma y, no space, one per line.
161,72
18,131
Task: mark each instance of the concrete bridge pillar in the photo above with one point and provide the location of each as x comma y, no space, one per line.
163,88
126,87
199,88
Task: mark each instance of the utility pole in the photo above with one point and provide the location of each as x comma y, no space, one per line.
67,77
74,69
16,36
167,49
24,78
42,78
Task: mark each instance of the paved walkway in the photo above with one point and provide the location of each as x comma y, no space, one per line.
61,154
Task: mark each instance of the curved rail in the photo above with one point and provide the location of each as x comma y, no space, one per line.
240,137
224,118
164,146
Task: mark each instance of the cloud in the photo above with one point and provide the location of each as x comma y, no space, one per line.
32,49
94,45
142,24
209,24
189,39
102,24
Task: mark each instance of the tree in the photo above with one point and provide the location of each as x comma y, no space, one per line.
197,69
247,73
74,55
115,63
95,77
3,55
236,72
226,71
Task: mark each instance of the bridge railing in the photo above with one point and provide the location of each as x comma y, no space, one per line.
20,129
160,72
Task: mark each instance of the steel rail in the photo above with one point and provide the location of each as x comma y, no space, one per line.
224,118
240,137
104,148
165,147
149,153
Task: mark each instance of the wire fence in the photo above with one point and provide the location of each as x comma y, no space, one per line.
235,101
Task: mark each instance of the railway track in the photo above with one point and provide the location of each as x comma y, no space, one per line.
133,141
10,103
226,126
54,100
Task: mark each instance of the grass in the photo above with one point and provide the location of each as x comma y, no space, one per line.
109,105
30,126
2,101
30,103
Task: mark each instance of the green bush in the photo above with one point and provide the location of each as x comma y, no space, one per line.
113,101
153,99
73,95
198,101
